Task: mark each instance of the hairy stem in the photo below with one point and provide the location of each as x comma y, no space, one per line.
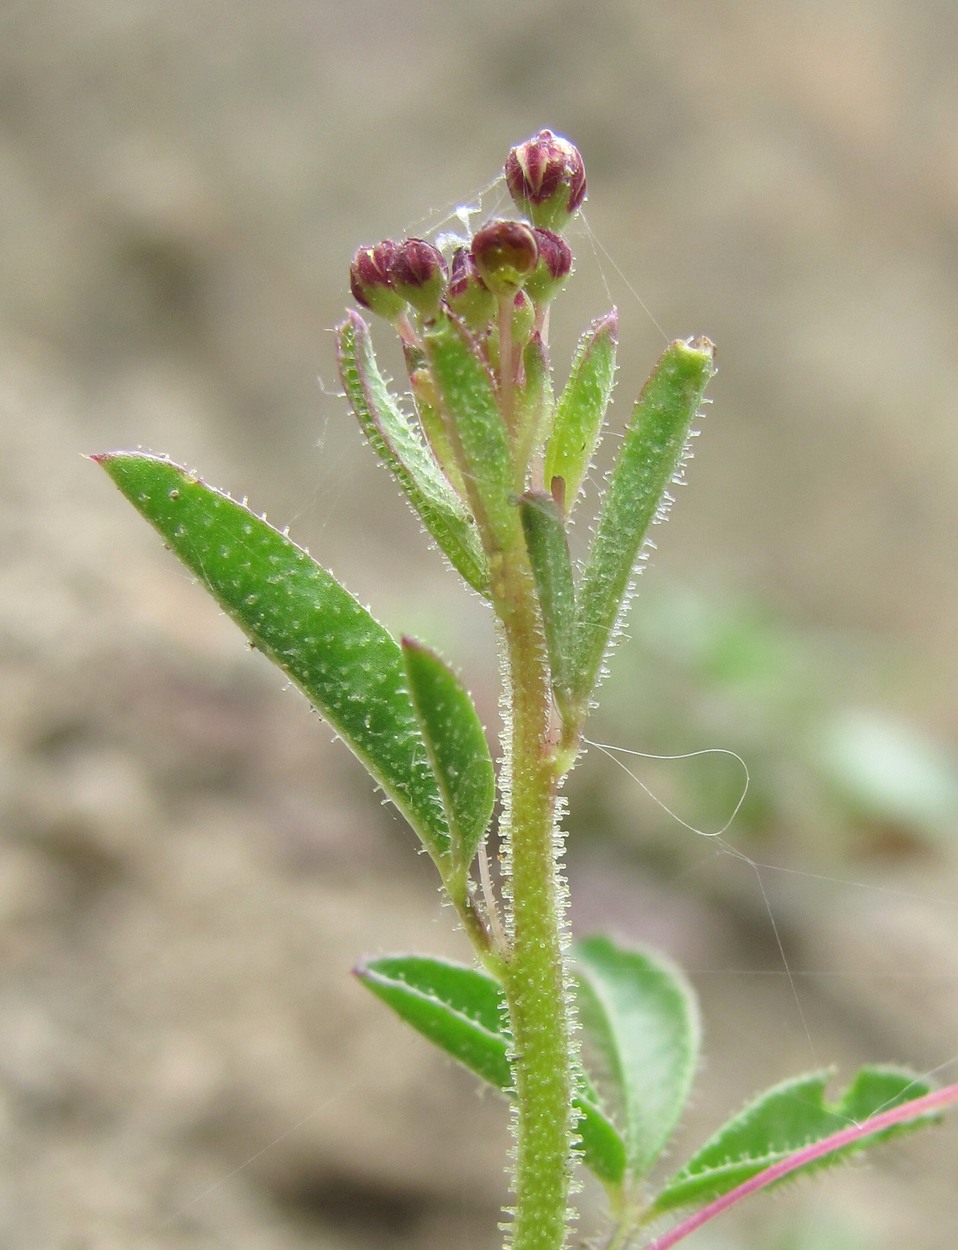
534,975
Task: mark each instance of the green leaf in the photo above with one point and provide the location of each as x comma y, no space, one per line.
780,1122
457,746
293,610
470,409
534,402
463,1011
641,1032
582,407
651,457
889,771
412,463
548,548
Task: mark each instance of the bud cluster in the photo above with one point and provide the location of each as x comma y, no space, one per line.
494,460
546,179
493,295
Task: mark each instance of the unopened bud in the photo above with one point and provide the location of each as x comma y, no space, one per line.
467,295
417,272
370,283
553,269
546,179
505,253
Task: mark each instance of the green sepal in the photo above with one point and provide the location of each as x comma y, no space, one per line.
470,410
463,1012
780,1122
640,1028
457,747
581,409
548,548
411,462
650,459
296,613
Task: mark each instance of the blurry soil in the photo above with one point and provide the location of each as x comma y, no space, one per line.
189,867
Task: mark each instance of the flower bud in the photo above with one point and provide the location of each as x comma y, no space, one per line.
418,273
369,280
505,253
467,295
553,269
546,179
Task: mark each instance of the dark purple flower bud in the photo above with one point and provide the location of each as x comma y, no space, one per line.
369,280
418,273
505,253
467,295
546,179
553,269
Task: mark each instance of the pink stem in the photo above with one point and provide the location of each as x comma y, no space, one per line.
808,1154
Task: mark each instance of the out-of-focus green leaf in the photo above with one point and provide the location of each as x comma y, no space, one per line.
295,612
581,408
463,1011
889,772
457,748
780,1122
411,462
641,1032
650,459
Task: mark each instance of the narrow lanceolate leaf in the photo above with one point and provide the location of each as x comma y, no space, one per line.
294,611
651,458
456,742
582,407
783,1120
400,447
470,410
548,548
463,1011
534,405
641,1037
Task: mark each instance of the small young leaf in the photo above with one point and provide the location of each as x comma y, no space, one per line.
460,1009
470,409
641,1032
582,407
534,401
781,1121
410,460
650,458
548,549
463,1011
295,612
456,742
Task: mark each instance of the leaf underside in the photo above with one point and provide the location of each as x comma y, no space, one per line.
641,1034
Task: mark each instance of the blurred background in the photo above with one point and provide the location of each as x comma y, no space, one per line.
190,867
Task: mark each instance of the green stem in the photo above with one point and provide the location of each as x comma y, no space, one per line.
534,976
